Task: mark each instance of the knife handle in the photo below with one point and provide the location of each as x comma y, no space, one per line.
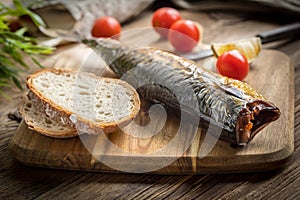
287,31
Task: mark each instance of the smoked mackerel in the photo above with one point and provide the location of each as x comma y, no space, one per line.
183,86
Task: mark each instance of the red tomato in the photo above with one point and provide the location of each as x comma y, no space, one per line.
184,35
106,27
163,19
233,64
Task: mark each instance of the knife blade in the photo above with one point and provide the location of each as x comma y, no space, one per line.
283,32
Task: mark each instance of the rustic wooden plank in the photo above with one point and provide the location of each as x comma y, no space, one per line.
234,186
112,186
22,182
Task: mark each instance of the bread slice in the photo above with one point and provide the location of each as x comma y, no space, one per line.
93,104
37,120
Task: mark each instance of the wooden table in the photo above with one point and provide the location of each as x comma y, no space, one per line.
23,182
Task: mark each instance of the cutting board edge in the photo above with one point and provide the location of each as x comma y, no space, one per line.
277,165
276,160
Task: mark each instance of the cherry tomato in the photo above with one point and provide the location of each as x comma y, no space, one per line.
184,35
106,27
233,64
163,19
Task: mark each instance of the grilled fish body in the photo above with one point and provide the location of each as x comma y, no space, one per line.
182,85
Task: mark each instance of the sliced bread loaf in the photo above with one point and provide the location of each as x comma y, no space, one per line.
93,104
37,120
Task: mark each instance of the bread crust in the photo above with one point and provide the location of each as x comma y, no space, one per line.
62,115
28,119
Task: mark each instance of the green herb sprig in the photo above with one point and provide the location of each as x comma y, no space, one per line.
15,45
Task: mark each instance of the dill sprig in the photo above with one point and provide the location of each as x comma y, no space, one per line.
15,46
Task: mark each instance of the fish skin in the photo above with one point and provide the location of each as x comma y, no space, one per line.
180,84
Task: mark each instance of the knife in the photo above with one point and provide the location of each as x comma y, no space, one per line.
283,32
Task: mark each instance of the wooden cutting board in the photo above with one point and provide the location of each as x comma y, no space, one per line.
138,150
